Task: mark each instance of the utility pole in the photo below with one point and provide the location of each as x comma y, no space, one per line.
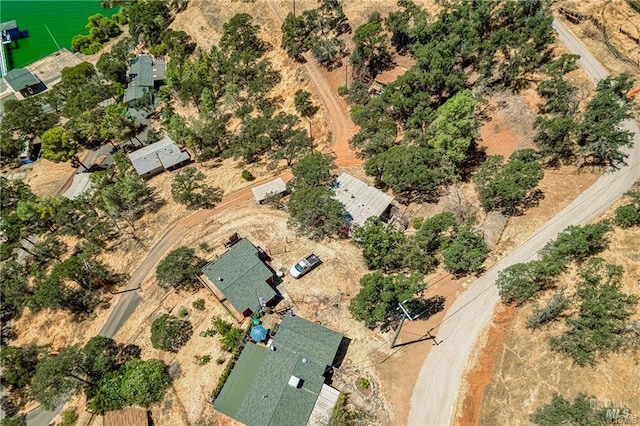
406,314
346,74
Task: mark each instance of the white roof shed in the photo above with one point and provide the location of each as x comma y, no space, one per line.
261,192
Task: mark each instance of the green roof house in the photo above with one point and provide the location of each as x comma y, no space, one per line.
241,277
145,74
22,81
284,383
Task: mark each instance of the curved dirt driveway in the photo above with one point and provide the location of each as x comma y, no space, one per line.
435,393
342,128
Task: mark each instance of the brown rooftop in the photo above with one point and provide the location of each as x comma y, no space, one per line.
390,76
130,416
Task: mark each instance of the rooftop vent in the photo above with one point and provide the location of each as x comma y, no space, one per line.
295,382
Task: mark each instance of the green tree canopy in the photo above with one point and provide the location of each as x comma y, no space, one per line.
57,145
602,318
188,188
412,172
600,134
466,253
170,333
57,377
315,169
19,365
147,21
379,296
141,383
315,212
144,382
509,188
455,129
370,55
26,118
578,243
295,36
380,245
304,105
583,410
179,269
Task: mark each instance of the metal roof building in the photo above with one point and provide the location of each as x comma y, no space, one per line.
262,192
360,200
158,157
285,383
241,277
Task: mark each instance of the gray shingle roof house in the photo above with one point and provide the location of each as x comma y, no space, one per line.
283,384
261,192
360,200
22,81
158,157
241,277
145,74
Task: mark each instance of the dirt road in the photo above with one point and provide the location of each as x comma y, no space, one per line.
435,393
342,128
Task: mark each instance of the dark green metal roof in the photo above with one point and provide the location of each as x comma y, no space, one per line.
238,383
20,79
241,276
302,349
142,68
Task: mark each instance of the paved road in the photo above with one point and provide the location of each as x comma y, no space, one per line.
435,393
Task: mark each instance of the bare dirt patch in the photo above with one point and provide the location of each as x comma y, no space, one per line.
48,179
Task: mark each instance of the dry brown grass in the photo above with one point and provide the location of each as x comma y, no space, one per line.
324,294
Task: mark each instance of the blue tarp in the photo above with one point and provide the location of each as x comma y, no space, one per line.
258,333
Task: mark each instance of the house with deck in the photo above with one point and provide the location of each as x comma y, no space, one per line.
145,74
24,83
241,279
285,382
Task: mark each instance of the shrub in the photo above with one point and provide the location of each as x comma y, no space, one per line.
246,175
364,383
203,360
220,360
627,216
346,414
183,312
232,339
544,314
582,411
225,374
198,304
69,417
170,333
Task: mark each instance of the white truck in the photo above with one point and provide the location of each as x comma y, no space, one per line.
305,264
